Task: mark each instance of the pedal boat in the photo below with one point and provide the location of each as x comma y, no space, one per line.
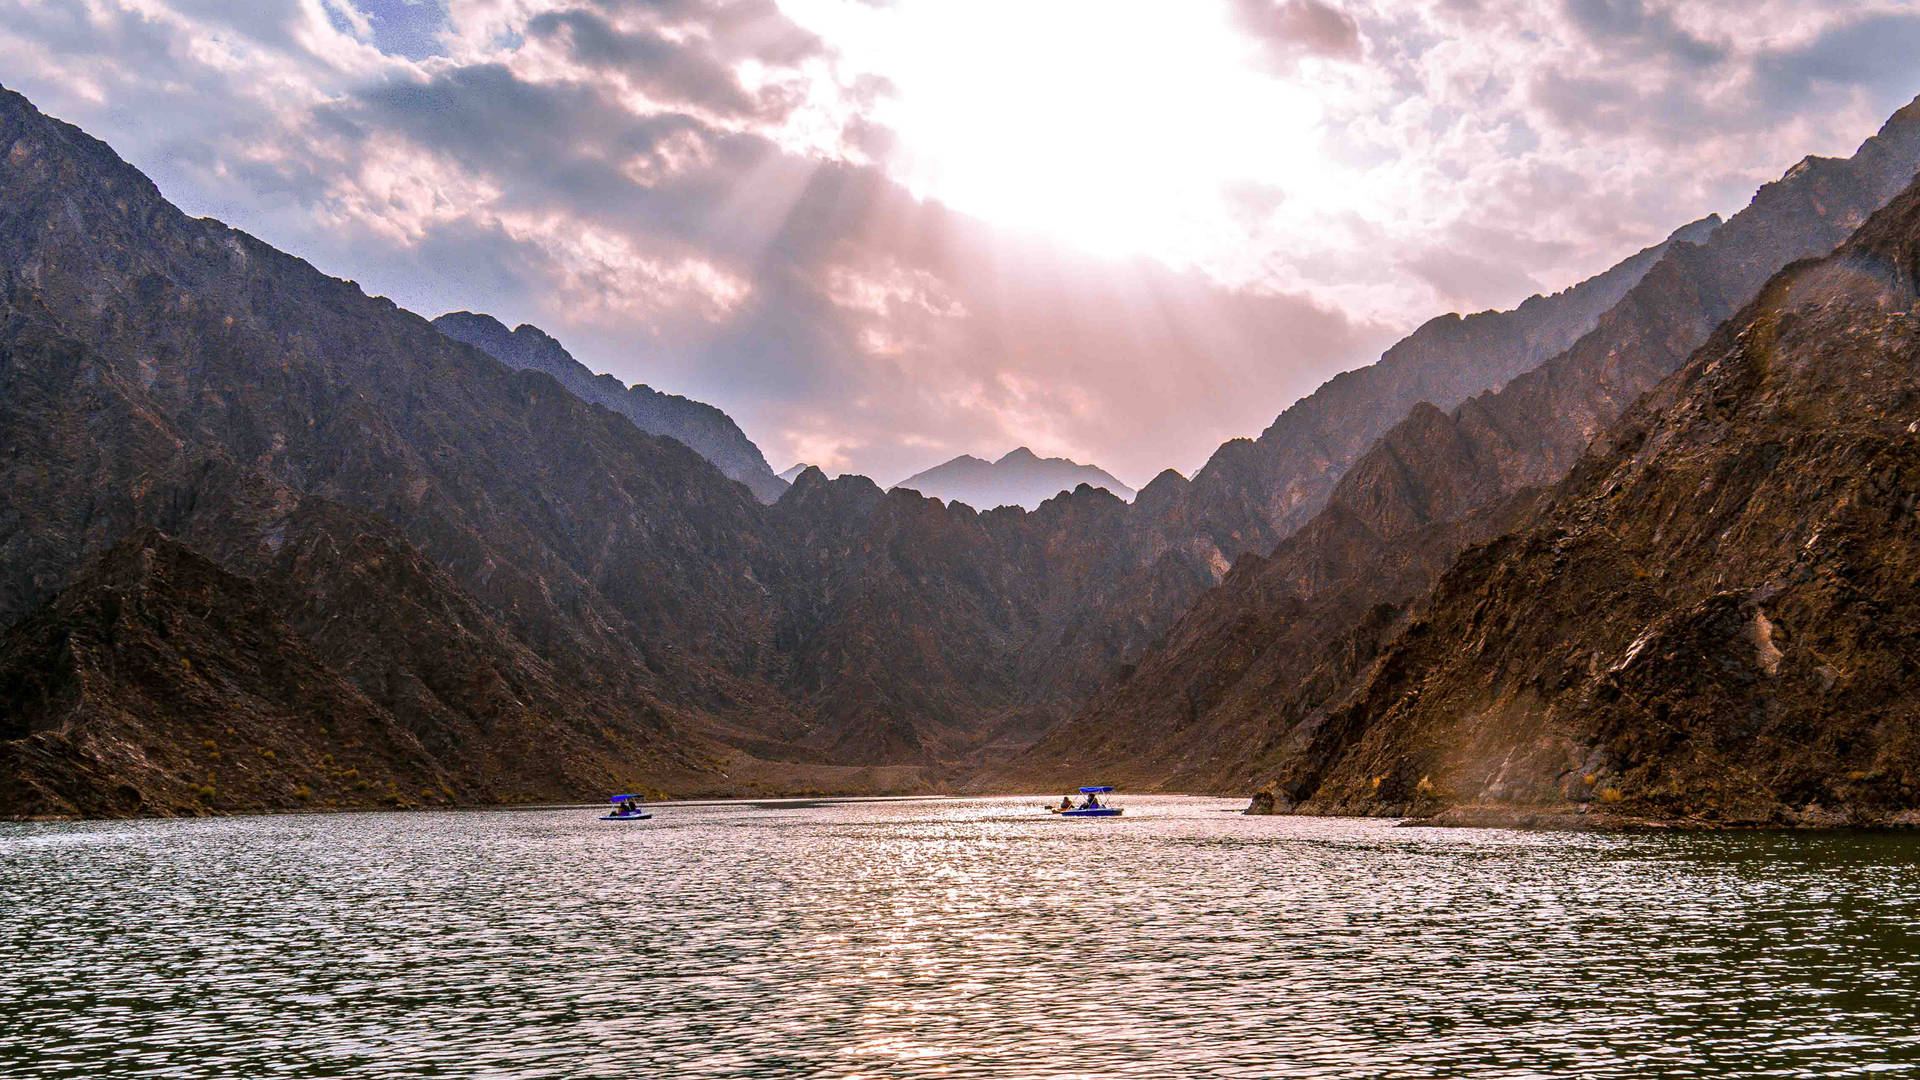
1092,807
626,808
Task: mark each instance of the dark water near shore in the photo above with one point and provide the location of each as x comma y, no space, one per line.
947,939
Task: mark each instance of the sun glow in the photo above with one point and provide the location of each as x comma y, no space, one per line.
1119,127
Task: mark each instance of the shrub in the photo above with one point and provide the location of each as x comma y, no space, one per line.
1611,795
205,793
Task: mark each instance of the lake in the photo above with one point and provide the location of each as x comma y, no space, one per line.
947,938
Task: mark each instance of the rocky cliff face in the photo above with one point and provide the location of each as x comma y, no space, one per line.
172,374
173,378
1251,666
1713,618
975,627
709,432
1019,478
1254,492
350,672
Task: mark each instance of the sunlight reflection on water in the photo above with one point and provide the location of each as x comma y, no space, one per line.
974,938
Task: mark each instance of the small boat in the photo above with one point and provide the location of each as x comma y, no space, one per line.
1091,806
626,808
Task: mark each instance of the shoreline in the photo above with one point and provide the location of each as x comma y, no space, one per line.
1516,819
495,808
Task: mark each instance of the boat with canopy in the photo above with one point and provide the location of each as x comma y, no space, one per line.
627,808
1091,806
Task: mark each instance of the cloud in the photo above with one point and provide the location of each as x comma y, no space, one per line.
1877,53
711,196
687,71
1291,29
1631,26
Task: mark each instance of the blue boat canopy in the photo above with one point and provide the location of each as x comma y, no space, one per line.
624,798
1092,790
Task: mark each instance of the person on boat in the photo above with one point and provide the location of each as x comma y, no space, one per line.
1092,803
1066,802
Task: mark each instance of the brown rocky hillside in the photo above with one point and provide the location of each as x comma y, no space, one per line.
1715,617
1219,700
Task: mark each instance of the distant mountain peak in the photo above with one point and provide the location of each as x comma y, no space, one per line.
1019,478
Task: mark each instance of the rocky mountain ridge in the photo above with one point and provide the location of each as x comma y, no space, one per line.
174,378
1214,704
170,374
1252,493
1713,619
709,432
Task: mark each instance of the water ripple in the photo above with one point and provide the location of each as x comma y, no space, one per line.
950,939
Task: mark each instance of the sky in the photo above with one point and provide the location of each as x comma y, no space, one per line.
881,233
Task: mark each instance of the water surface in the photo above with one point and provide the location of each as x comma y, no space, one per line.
948,938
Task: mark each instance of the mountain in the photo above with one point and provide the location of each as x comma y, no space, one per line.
1715,616
793,473
178,389
1182,536
1249,669
170,374
350,672
711,433
242,494
1019,478
1254,492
